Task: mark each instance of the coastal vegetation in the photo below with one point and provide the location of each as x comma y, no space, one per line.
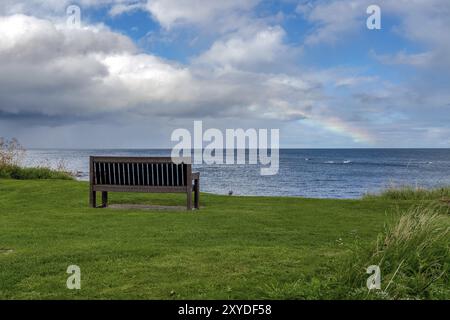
412,252
11,156
412,193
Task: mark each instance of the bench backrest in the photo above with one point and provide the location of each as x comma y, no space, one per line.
140,171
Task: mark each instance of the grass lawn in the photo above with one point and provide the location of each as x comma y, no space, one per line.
233,248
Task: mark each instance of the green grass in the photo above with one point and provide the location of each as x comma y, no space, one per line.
20,173
233,248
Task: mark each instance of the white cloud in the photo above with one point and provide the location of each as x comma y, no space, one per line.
223,15
121,8
50,7
333,19
243,50
423,22
50,72
171,13
55,71
414,59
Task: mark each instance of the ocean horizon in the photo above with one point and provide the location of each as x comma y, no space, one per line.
313,173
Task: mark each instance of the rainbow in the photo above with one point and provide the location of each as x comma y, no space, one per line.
337,125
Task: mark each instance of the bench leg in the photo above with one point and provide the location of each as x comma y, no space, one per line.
189,200
93,199
197,193
104,199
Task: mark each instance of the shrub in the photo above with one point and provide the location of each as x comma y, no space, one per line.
16,172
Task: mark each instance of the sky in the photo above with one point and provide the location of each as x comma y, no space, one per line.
133,71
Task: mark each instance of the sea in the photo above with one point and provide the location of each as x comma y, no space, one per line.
314,173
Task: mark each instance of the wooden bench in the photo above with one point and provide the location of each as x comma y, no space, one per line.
139,174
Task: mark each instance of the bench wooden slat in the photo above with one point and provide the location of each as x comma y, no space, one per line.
145,189
167,174
101,159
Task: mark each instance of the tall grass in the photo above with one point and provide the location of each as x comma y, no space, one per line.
411,193
11,152
413,255
11,155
